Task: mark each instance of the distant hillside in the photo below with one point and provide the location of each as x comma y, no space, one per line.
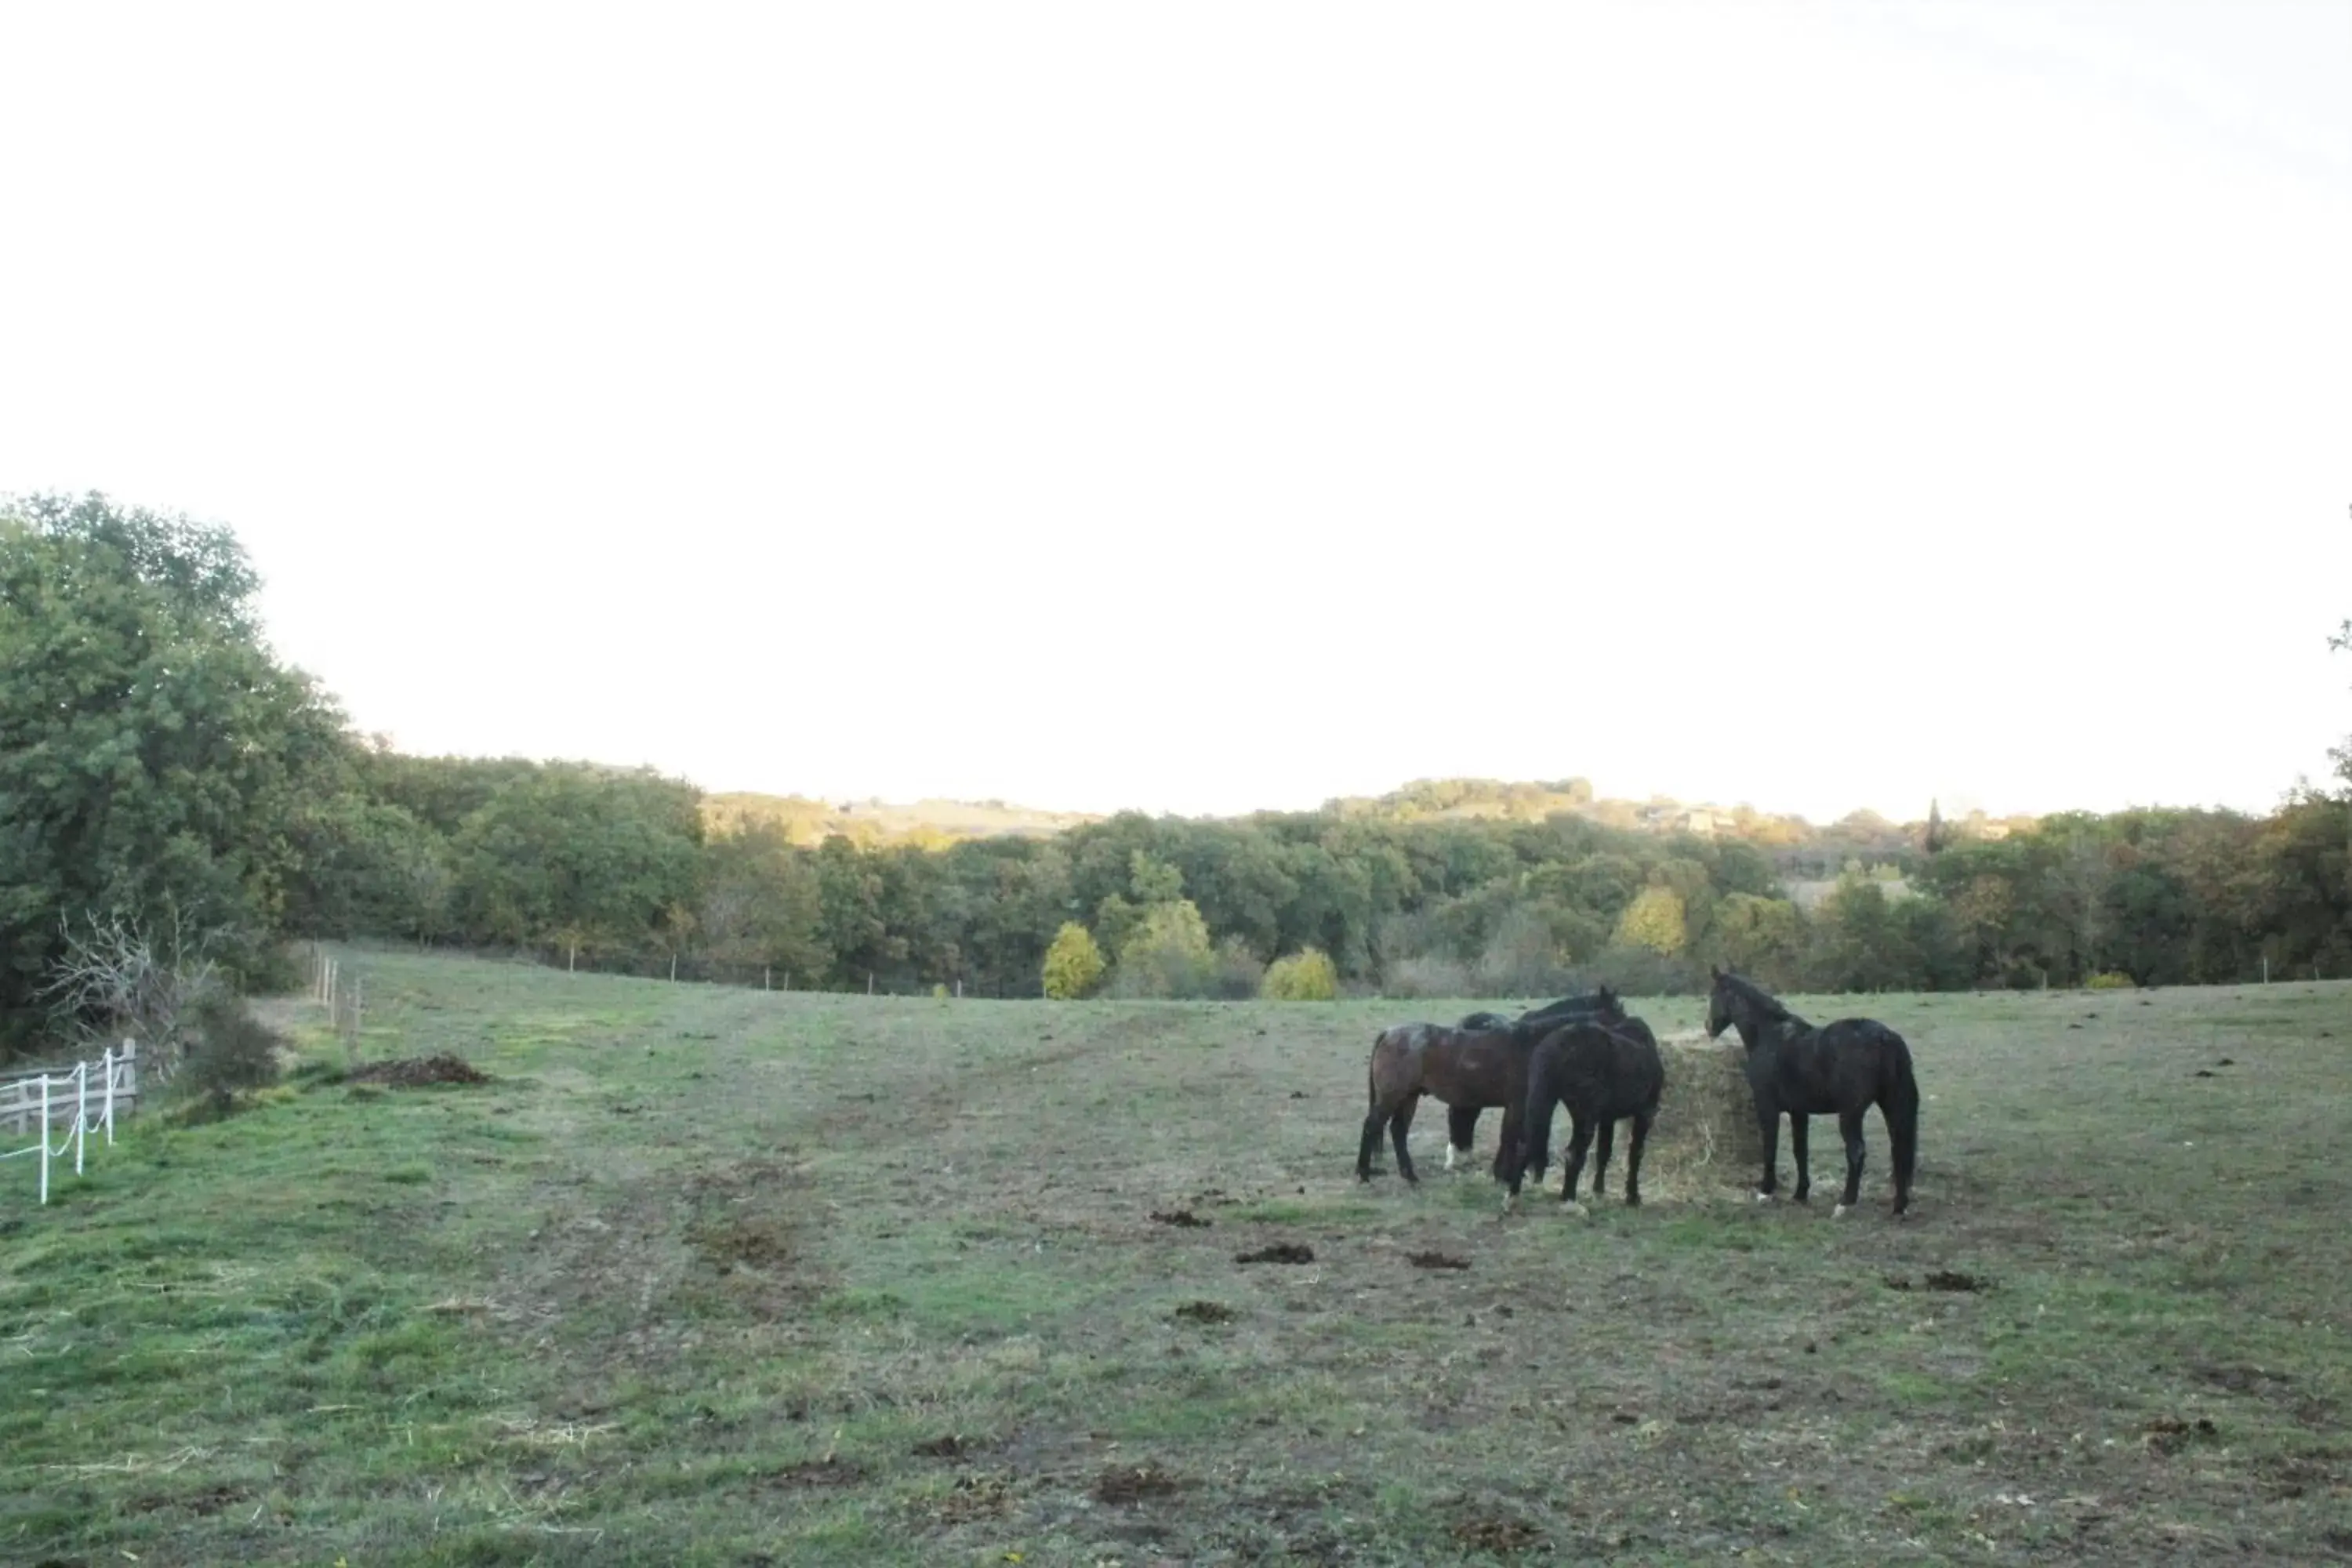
1798,845
808,822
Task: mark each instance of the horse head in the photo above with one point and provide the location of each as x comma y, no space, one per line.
1723,1006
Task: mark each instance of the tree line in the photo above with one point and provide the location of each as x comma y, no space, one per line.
156,758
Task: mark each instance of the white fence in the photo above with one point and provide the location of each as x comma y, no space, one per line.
84,1097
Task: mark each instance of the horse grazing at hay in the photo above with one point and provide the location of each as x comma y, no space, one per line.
1468,1068
1604,1073
1462,1121
1841,1069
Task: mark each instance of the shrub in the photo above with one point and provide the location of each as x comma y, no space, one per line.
1074,965
1521,959
1236,974
228,1050
1426,977
1168,954
1308,975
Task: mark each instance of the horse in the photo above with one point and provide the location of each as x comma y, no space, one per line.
1604,1073
1467,1068
1462,1121
1844,1067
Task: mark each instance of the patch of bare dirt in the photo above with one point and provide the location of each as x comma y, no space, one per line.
1953,1279
1205,1312
972,1498
745,1230
1183,1219
204,1504
951,1447
2169,1434
1280,1252
416,1072
1134,1484
1435,1260
1500,1536
828,1472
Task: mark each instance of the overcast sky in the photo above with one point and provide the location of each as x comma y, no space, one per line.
1205,406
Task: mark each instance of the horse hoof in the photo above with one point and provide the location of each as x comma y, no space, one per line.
1764,1198
1838,1212
1570,1207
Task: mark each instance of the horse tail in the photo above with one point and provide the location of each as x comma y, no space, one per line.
1900,1094
1535,1125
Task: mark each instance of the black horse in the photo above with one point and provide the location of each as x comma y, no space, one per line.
1844,1067
1462,1121
1604,1073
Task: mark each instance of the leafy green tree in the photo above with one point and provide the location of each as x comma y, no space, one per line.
759,905
1654,921
1168,955
1074,965
1857,944
1759,936
153,754
567,846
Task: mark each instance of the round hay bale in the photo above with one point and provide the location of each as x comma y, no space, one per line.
1706,1133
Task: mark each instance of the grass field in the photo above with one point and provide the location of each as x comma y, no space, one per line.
707,1276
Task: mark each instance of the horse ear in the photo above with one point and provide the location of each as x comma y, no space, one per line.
1715,969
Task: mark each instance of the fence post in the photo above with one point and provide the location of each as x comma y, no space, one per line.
767,977
81,1113
108,1114
44,1138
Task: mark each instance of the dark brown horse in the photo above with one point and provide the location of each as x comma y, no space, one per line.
1462,1121
1465,1068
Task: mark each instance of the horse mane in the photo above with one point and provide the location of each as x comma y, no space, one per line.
1769,1007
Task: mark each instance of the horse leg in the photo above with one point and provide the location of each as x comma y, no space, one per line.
1461,1128
1850,1124
1606,1140
1370,1141
1633,1159
1507,1153
1797,1147
1399,1125
1768,1124
1579,1141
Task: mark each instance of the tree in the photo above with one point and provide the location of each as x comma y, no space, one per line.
1168,954
605,853
1764,937
1654,921
2342,643
1074,965
153,754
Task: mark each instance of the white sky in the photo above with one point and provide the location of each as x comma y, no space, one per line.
1210,407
